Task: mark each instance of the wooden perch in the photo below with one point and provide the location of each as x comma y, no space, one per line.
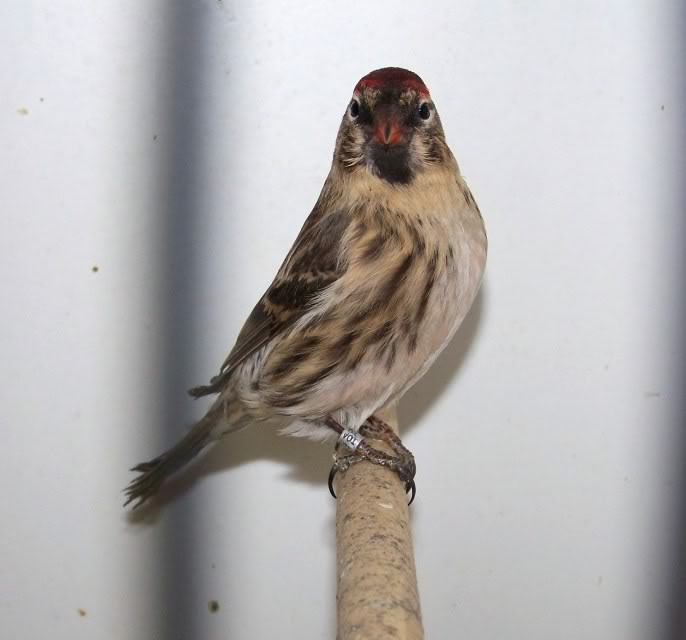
377,595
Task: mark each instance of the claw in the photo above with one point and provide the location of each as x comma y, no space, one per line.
411,486
332,475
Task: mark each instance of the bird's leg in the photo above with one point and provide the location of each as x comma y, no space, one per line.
403,464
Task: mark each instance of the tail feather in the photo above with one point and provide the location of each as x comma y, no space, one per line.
216,385
154,472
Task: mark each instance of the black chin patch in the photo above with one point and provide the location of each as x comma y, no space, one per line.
392,163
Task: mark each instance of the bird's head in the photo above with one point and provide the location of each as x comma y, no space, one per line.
391,128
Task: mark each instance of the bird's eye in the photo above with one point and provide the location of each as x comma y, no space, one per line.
424,111
354,108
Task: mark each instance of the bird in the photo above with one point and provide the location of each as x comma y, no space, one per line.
380,277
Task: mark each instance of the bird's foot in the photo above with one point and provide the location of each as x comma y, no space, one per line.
376,429
402,463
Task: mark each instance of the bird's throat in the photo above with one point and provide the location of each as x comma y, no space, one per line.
391,163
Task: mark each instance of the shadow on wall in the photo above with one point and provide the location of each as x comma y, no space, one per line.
182,82
675,605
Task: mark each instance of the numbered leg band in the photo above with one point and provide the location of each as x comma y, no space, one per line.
350,439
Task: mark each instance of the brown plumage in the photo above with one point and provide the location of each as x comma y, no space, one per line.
381,275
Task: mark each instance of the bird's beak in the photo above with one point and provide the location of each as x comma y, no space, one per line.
387,126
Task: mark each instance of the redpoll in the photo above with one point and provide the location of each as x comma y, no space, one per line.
379,279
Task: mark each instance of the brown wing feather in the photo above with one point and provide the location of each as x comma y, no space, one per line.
312,264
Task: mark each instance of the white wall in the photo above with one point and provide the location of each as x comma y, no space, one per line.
179,150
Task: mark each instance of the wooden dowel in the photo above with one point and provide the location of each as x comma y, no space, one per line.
377,597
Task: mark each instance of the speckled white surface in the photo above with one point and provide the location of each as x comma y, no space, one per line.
179,151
